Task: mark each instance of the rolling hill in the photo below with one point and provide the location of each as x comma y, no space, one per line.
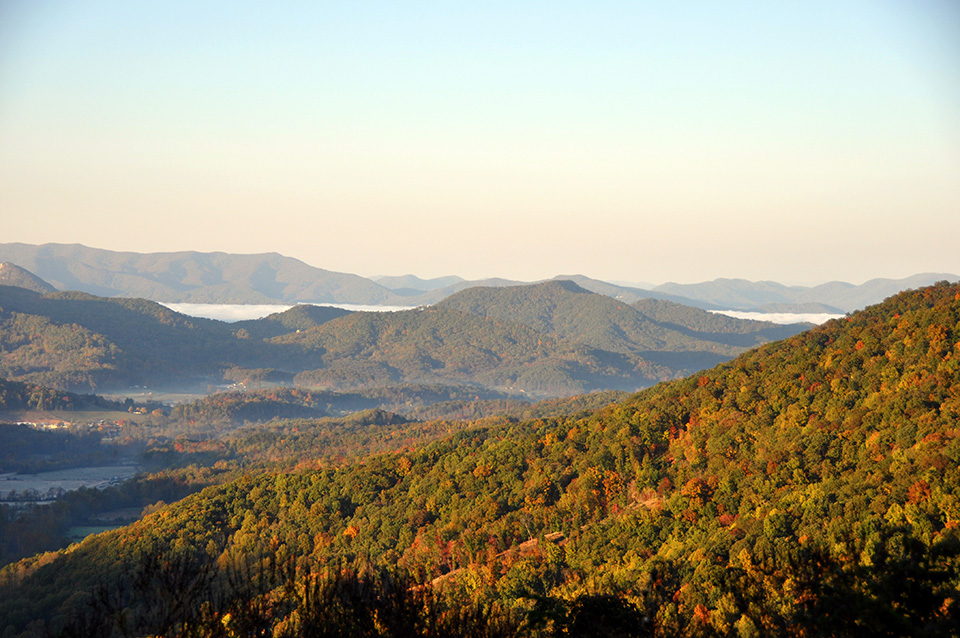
564,308
300,317
434,345
72,340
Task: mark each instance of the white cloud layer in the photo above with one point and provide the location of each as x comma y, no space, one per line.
242,312
781,317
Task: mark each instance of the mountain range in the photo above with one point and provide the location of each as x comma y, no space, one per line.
548,339
270,278
192,277
770,296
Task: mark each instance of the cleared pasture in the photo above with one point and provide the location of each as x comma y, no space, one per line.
68,480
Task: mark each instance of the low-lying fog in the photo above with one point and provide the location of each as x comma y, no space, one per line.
241,312
781,317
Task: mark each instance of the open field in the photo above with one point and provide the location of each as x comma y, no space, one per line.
119,516
71,479
68,416
78,532
140,396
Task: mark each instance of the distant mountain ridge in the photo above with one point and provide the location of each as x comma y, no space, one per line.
413,285
192,276
196,277
431,297
741,294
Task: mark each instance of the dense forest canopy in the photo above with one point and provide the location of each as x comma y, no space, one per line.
808,487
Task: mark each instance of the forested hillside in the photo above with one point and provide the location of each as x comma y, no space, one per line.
651,328
194,445
73,340
436,344
15,395
551,339
808,487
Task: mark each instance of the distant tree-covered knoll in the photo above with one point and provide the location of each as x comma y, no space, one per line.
810,487
569,311
15,395
24,449
443,346
300,317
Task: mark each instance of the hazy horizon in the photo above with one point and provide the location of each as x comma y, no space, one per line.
685,142
638,285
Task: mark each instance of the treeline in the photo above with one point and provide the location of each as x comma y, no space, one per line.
421,402
297,402
334,442
16,395
479,409
811,487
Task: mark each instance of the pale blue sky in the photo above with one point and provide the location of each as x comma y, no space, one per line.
682,141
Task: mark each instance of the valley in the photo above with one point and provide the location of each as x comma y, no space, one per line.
46,486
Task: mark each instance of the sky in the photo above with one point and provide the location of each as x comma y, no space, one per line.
800,142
